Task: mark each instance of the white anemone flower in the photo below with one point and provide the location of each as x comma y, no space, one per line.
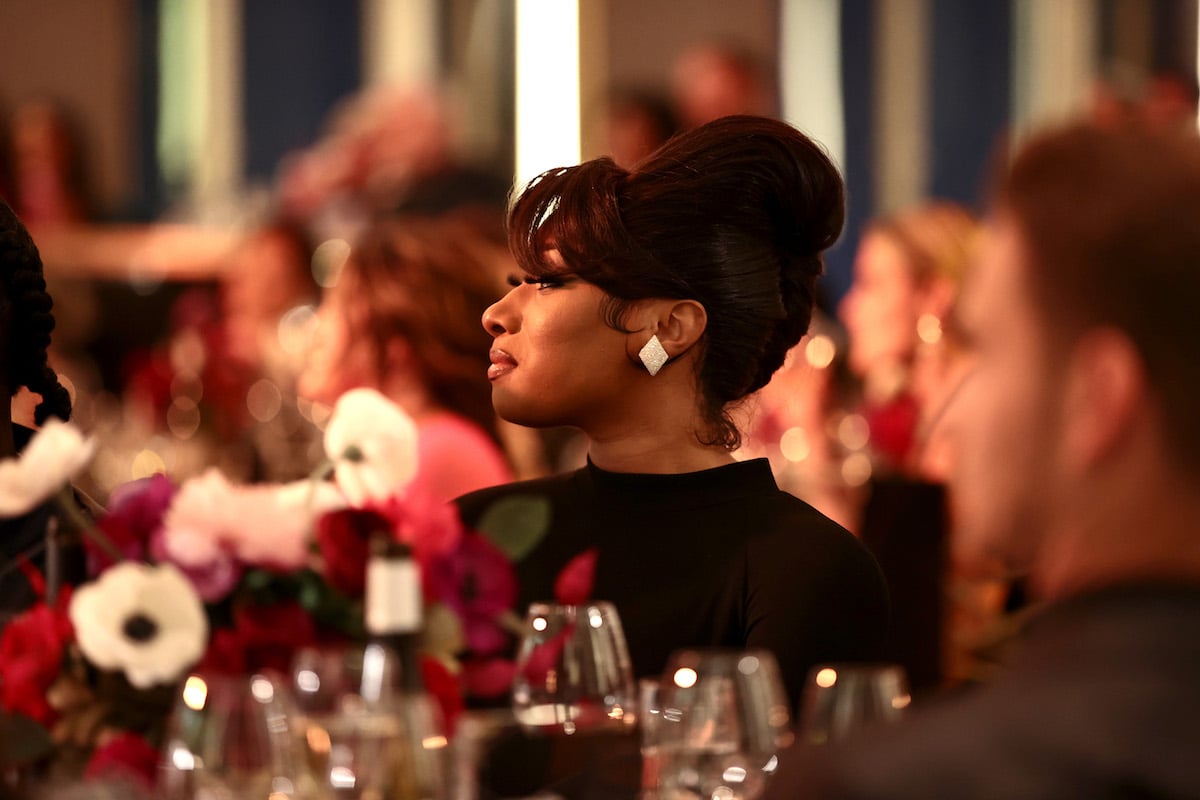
146,621
373,447
54,456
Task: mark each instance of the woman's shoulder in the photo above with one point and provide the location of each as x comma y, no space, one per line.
473,505
798,533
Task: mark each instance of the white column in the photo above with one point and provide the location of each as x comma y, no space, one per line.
547,81
901,102
400,41
1054,61
810,72
201,141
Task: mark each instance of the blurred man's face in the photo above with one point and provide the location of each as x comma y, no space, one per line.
1003,422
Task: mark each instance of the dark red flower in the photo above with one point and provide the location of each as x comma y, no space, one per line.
488,677
262,637
226,653
574,583
430,526
477,582
135,515
344,540
31,652
443,686
127,756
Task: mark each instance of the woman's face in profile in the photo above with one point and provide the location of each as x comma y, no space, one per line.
554,360
880,310
339,358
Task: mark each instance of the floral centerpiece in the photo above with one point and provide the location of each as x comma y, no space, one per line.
237,578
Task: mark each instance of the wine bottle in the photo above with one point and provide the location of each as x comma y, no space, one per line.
392,671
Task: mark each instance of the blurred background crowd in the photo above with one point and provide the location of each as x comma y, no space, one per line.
247,208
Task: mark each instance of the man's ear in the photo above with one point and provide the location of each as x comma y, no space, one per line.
1106,392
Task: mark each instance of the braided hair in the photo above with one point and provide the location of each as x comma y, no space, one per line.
26,320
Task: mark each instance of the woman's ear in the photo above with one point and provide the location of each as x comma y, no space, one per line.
680,325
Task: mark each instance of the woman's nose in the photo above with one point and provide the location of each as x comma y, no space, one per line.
493,319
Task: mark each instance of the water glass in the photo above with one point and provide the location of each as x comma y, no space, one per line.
228,739
361,738
573,672
841,698
723,719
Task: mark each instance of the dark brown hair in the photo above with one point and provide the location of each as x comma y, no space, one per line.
734,214
1110,221
428,281
26,320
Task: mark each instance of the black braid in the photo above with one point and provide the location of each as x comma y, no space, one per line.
25,314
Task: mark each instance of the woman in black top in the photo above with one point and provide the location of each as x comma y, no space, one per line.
652,301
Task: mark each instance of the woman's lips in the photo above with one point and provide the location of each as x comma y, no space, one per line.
502,363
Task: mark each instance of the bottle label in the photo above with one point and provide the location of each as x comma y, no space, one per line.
393,603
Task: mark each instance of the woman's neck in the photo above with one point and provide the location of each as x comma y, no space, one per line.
659,455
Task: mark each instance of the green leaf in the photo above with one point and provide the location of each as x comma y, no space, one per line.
25,741
516,523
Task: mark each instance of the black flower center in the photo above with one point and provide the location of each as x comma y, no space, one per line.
140,628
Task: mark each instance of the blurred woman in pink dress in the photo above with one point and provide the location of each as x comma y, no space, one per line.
401,316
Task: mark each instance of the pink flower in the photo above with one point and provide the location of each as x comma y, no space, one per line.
477,582
211,522
31,651
134,518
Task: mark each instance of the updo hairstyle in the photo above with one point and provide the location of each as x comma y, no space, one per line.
734,214
26,320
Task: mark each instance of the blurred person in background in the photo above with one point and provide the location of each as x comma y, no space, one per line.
26,322
1076,453
45,171
386,150
907,273
219,387
638,122
402,317
710,80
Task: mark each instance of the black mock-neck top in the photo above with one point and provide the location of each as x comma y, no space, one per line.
720,557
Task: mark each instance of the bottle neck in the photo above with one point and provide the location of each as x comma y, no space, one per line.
393,613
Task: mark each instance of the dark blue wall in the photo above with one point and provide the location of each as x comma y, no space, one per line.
971,94
857,97
301,57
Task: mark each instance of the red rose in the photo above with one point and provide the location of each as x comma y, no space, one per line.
126,755
443,687
271,634
226,653
344,538
31,652
488,677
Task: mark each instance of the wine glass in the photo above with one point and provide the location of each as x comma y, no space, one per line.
360,736
228,739
573,670
841,698
723,718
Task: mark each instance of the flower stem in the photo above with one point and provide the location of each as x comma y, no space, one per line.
87,526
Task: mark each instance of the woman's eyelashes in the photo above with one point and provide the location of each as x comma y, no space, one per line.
540,281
